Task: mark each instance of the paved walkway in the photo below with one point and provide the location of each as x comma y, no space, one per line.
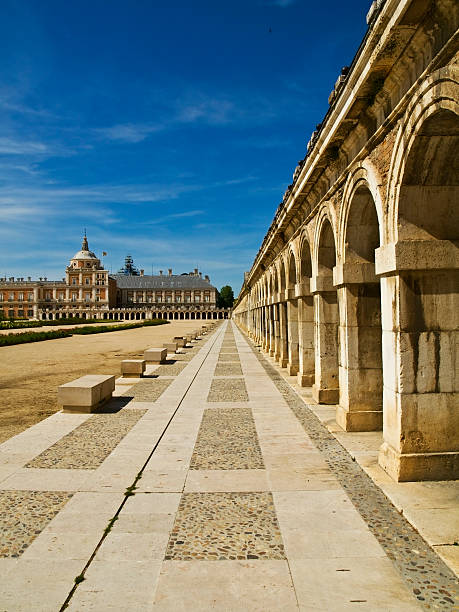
210,486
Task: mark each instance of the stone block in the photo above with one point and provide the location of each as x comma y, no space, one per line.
180,341
86,394
133,368
155,355
171,347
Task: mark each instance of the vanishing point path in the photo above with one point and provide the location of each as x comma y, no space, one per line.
209,486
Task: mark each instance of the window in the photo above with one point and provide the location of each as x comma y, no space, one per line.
74,280
206,298
20,313
178,298
197,298
48,296
87,297
11,313
11,297
21,297
74,297
87,280
188,298
168,299
61,296
1,297
30,313
30,297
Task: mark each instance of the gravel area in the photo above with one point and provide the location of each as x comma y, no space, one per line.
227,440
225,526
172,369
431,581
88,445
228,369
229,357
148,389
24,515
228,390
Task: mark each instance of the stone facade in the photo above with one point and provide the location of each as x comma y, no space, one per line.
90,291
355,286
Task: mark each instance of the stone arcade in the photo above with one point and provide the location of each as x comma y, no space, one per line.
355,286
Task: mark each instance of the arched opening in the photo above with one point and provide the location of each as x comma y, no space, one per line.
292,318
192,315
187,316
305,318
360,375
84,315
283,327
326,318
421,311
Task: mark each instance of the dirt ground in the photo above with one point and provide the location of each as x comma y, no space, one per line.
31,373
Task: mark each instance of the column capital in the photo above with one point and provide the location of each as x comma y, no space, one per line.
354,273
417,255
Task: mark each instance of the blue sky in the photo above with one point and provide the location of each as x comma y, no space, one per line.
169,130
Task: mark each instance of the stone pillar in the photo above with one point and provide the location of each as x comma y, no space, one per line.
360,362
283,336
272,340
326,386
305,334
277,340
292,330
420,321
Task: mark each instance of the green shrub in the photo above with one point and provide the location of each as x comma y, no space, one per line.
22,338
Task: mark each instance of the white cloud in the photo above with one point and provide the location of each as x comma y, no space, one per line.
17,146
127,132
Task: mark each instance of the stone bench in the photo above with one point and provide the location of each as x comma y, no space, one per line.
133,368
155,355
171,347
180,341
86,394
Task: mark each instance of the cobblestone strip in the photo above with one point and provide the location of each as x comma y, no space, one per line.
24,515
148,390
170,369
431,581
227,440
225,526
86,447
228,369
228,390
227,357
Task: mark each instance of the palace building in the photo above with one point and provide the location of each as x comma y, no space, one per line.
90,291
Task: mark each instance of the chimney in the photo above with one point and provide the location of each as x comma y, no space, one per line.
200,275
160,272
12,278
195,271
170,271
206,277
40,278
45,279
29,278
142,272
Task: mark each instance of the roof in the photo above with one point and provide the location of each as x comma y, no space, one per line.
182,281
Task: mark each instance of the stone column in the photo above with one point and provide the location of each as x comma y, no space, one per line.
283,337
305,334
292,331
420,321
276,323
326,387
360,363
272,341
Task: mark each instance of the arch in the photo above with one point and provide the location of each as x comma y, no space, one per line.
427,142
291,267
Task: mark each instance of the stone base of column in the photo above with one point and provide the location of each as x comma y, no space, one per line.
283,362
305,380
418,466
367,420
325,396
292,369
271,353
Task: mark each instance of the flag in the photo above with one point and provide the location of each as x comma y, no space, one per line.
104,254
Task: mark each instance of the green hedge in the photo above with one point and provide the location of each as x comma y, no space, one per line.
25,337
22,338
30,324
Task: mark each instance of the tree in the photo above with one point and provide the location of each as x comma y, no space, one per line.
225,297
